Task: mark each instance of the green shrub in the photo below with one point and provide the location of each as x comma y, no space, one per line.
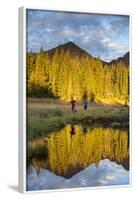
115,125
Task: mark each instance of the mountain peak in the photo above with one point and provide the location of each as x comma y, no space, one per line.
72,48
124,59
70,43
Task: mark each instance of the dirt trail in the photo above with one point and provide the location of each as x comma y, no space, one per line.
45,104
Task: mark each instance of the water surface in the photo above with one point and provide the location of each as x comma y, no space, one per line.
78,156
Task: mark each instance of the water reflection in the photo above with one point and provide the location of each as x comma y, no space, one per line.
84,130
74,148
72,130
107,173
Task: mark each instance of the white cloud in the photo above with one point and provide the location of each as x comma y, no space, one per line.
105,40
100,35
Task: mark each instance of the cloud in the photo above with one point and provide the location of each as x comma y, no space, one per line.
101,35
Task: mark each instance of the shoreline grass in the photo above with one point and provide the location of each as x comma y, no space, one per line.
43,119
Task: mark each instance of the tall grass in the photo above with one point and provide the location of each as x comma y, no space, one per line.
42,121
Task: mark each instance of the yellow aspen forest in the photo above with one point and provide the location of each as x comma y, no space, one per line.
64,77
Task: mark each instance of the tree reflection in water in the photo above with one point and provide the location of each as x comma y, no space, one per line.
67,155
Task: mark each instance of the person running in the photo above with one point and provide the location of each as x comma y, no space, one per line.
85,104
73,102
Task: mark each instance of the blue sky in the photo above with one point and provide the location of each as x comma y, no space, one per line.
101,35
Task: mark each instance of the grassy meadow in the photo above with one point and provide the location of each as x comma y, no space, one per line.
47,115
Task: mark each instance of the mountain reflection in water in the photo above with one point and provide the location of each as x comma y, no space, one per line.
108,173
74,148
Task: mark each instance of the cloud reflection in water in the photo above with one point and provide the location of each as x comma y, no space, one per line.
107,173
